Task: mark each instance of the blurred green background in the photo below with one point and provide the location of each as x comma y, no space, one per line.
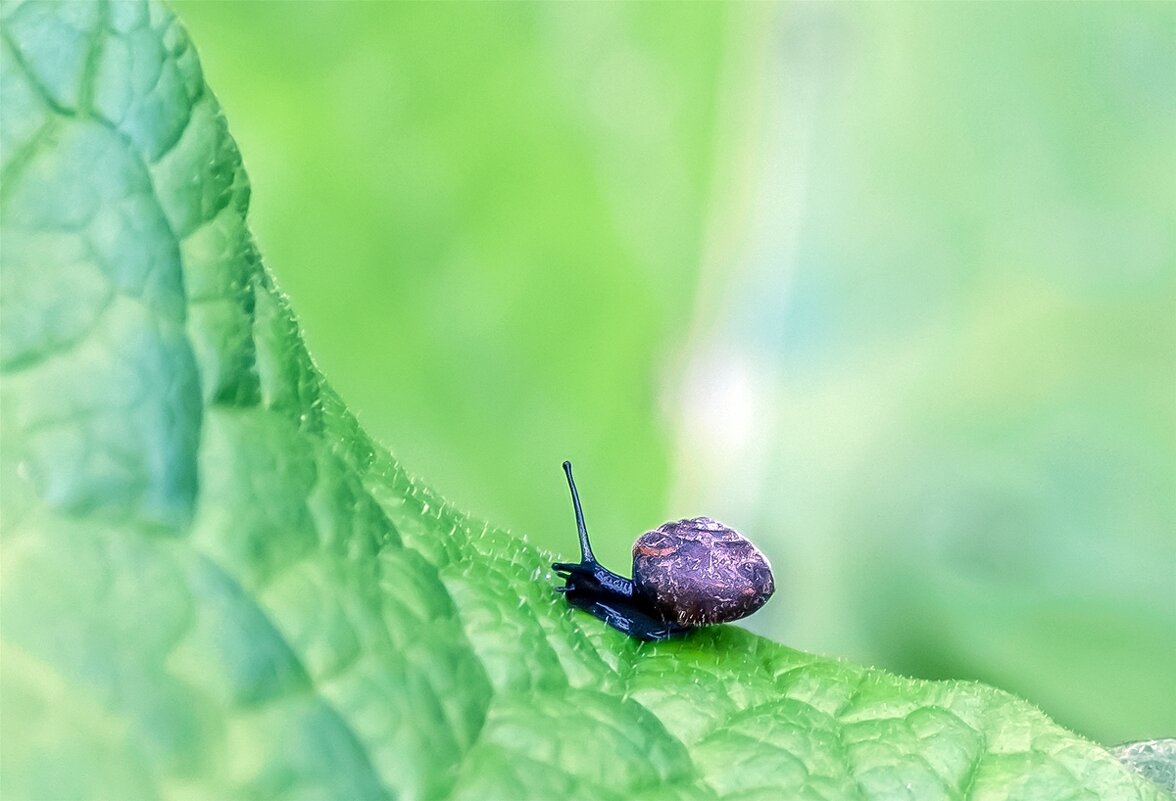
890,288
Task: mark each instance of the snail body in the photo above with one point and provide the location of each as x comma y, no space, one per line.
686,574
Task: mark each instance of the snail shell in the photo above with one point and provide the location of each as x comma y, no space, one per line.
698,572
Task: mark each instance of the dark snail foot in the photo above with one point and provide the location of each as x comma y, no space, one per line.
607,596
629,619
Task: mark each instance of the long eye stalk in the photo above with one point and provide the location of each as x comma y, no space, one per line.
590,586
586,554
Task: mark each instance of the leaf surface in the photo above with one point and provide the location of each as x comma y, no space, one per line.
216,586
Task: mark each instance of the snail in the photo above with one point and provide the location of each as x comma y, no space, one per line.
686,574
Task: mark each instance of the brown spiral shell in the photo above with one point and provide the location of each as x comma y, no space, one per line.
698,572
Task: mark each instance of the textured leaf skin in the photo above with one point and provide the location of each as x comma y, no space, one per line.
214,585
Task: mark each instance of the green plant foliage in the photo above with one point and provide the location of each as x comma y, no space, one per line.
888,287
215,586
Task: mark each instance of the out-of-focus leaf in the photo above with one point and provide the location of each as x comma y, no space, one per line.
522,188
936,382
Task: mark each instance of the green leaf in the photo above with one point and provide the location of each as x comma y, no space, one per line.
214,585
